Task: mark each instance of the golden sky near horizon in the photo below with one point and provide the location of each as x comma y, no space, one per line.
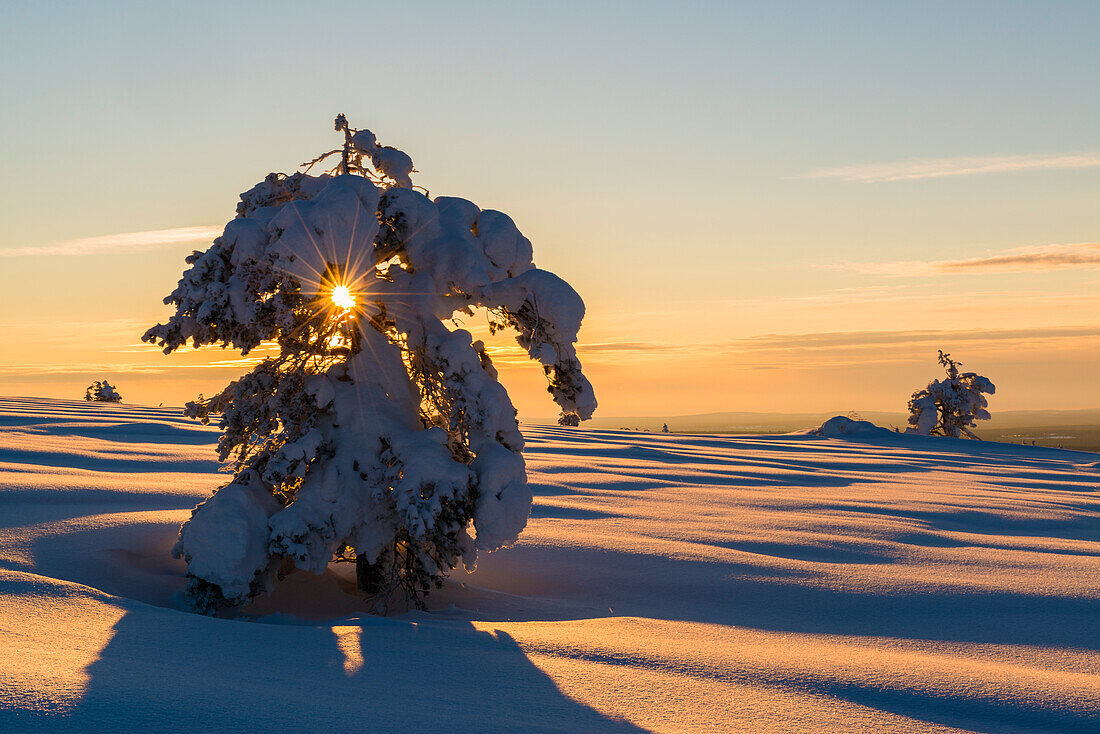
783,353
781,212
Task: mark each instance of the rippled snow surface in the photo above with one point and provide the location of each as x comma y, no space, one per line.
874,582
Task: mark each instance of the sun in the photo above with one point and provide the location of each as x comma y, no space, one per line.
343,298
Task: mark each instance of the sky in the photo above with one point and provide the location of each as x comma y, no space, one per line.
777,207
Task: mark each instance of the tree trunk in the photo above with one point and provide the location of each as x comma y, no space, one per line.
369,577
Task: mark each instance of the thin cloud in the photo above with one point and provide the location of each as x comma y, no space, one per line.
962,166
783,344
124,242
629,347
513,355
36,370
1016,260
15,372
818,341
848,339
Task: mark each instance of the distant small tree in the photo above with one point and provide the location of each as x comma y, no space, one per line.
379,434
950,406
102,391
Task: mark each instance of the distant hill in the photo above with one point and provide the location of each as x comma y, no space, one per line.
1071,429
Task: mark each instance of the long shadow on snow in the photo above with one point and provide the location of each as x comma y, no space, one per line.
106,462
568,513
1085,526
617,479
961,710
189,673
156,432
931,540
940,451
825,552
907,454
649,480
21,508
784,599
749,472
980,715
797,475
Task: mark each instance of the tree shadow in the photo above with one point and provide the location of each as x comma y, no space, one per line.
170,671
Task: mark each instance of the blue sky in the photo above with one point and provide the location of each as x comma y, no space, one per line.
703,173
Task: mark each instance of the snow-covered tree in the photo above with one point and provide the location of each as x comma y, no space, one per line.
950,406
102,391
378,434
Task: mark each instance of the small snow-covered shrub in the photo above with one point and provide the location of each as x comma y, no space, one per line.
950,406
378,434
102,391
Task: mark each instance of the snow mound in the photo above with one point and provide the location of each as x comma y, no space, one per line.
841,426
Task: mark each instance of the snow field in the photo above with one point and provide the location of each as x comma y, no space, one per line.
871,582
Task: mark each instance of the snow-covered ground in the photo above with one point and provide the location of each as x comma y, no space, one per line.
871,582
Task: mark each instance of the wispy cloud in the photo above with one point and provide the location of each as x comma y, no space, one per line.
874,339
82,369
629,347
800,343
514,355
1016,260
124,242
91,369
962,166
